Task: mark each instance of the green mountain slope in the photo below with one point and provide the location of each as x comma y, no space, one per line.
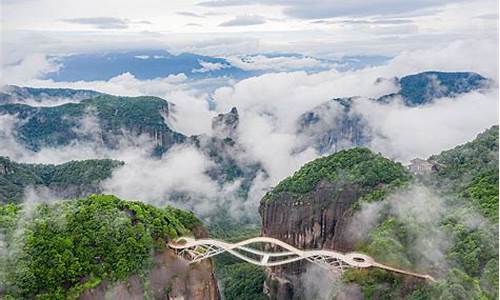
113,116
466,180
471,171
453,235
12,93
70,179
358,166
58,250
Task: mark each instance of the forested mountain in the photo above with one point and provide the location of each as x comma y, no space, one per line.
425,87
336,124
98,247
313,208
444,223
102,119
71,179
16,94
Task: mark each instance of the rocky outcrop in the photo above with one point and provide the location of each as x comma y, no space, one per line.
314,208
314,220
170,278
225,125
333,126
103,120
16,94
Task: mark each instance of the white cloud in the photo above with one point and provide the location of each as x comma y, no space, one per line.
408,132
277,63
182,170
247,20
209,66
189,102
269,106
32,66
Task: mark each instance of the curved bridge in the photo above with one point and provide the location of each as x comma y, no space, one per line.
196,250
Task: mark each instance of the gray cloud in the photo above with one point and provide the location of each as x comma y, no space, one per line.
488,17
314,9
245,21
101,22
106,22
378,22
190,14
367,22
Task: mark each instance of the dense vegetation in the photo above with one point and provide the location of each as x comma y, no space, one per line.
85,175
242,281
423,87
467,183
237,279
15,93
471,171
57,250
113,115
354,166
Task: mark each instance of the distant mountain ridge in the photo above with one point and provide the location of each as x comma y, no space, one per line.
425,87
334,125
112,116
69,180
16,94
105,120
143,64
151,64
322,202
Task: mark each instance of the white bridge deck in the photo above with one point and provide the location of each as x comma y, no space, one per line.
195,250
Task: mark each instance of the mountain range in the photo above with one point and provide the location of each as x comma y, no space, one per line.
315,207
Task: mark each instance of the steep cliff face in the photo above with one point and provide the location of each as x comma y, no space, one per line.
313,208
333,126
69,180
100,247
103,119
315,220
170,278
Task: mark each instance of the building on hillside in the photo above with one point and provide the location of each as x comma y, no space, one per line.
420,166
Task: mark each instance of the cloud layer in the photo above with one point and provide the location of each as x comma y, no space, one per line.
270,106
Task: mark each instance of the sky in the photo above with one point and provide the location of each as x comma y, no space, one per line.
225,27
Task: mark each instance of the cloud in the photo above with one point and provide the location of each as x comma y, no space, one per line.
190,14
209,66
423,211
32,66
408,132
316,9
377,22
101,22
244,21
277,63
269,106
182,170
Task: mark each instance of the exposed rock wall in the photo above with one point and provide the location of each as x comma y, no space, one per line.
170,278
314,220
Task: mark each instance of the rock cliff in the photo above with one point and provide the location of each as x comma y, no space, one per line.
170,278
317,215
